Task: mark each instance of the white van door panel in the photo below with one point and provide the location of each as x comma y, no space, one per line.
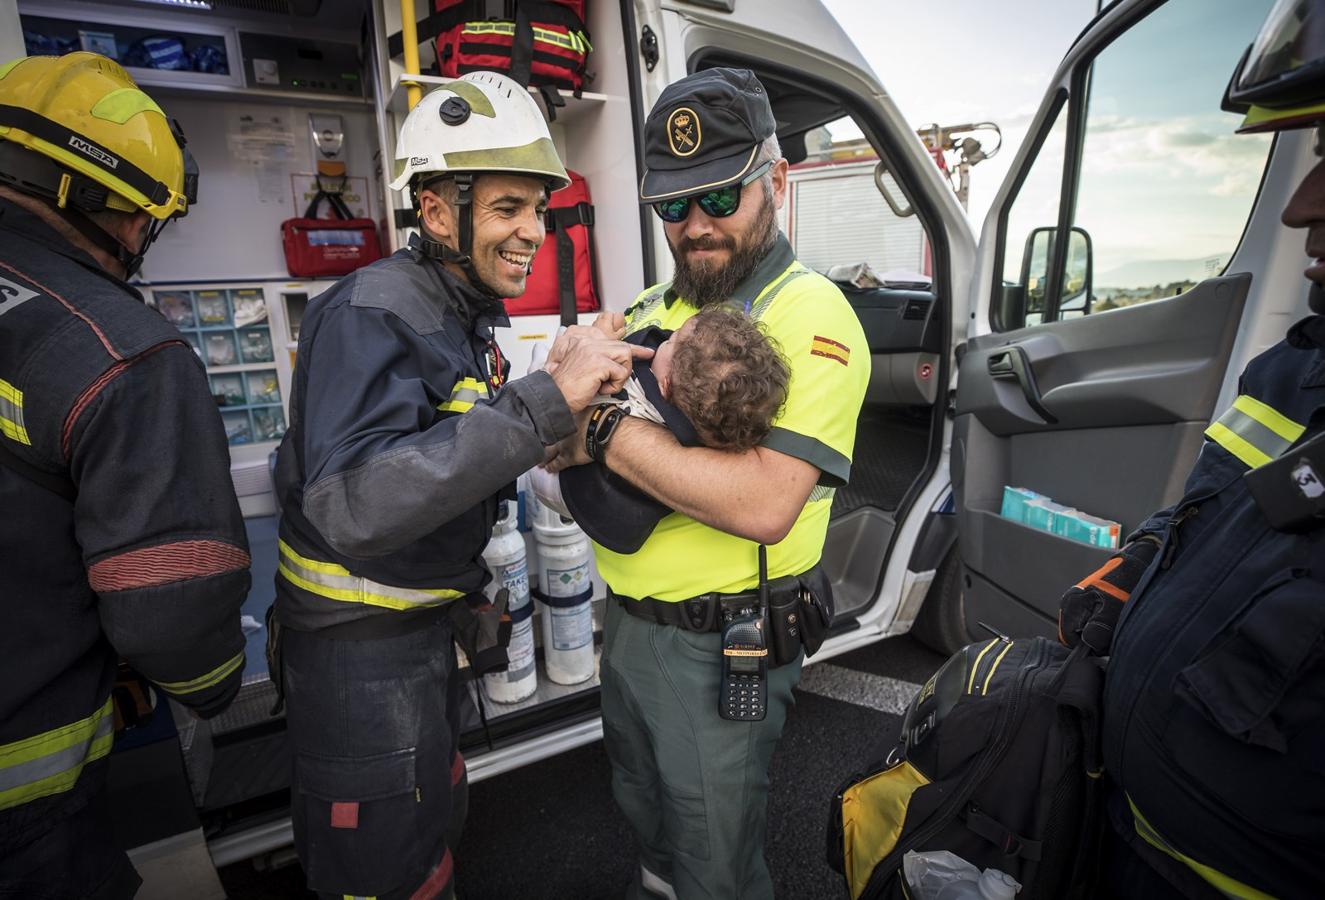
1097,362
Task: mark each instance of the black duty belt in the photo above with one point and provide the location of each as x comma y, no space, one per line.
701,613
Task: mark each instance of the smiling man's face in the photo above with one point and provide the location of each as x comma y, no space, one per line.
508,228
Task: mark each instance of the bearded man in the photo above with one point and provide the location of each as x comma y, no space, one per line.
694,782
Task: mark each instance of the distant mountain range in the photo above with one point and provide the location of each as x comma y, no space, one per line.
1156,271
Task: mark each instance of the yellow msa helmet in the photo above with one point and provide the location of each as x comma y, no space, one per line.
1280,82
75,130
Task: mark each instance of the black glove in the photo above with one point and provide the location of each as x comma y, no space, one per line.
1089,610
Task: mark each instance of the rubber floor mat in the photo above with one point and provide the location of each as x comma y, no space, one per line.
891,447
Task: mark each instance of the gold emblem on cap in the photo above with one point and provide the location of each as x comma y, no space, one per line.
683,132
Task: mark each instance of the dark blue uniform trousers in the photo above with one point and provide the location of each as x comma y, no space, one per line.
379,792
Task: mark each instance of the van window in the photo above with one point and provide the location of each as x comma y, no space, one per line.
1021,297
1163,186
836,216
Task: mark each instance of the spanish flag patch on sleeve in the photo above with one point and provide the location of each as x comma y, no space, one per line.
830,349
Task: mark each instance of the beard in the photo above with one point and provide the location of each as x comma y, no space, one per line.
705,283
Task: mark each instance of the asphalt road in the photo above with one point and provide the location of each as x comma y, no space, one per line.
551,830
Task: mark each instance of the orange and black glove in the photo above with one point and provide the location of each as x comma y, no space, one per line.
1089,611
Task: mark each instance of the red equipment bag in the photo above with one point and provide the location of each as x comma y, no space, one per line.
539,43
319,248
563,275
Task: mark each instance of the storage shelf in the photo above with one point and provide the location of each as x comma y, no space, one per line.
255,95
574,108
240,367
266,404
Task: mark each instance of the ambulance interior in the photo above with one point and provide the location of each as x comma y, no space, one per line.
279,77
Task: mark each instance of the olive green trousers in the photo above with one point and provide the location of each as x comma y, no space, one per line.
694,786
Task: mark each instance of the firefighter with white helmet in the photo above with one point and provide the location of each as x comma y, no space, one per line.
106,423
404,437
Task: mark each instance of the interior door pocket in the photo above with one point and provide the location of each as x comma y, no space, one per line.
1027,562
1240,681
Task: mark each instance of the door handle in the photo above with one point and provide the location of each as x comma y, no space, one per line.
1013,364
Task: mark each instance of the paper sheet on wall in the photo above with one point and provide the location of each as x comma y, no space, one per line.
266,143
303,187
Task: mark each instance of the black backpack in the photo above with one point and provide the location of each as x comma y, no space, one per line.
998,762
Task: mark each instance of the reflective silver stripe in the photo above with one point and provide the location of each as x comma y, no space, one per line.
1254,432
763,303
11,413
51,762
464,395
821,492
337,583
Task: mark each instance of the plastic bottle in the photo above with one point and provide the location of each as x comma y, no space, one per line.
505,558
992,885
563,579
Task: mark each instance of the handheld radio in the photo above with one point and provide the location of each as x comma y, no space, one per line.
743,692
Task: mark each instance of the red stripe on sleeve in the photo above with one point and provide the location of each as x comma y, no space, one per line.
97,386
164,564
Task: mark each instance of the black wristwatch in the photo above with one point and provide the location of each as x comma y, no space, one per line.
602,423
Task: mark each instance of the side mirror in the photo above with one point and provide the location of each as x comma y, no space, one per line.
1075,296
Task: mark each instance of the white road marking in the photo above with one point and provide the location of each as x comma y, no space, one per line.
861,688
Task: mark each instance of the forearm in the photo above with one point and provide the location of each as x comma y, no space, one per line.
410,487
183,635
755,495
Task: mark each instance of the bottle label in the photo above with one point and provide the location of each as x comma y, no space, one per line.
568,582
572,627
520,651
515,578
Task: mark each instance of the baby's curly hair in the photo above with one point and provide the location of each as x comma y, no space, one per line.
729,378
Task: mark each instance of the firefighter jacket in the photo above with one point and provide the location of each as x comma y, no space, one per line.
399,445
1214,717
148,561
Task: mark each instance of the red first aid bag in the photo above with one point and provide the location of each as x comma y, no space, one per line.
540,43
562,279
321,248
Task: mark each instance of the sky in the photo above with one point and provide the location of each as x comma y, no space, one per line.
967,61
1155,137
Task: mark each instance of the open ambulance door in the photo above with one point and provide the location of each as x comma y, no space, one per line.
842,136
1112,275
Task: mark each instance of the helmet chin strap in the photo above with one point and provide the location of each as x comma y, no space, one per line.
464,256
1316,299
106,242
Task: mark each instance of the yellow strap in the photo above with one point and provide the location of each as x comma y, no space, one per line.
49,742
80,743
1253,431
338,583
202,682
464,395
1270,417
990,677
14,431
1229,887
573,41
12,425
1225,437
975,667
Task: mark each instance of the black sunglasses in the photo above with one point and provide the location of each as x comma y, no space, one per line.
719,204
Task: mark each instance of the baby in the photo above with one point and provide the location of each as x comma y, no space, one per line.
717,381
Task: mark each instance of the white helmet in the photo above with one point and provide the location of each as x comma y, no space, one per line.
480,122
